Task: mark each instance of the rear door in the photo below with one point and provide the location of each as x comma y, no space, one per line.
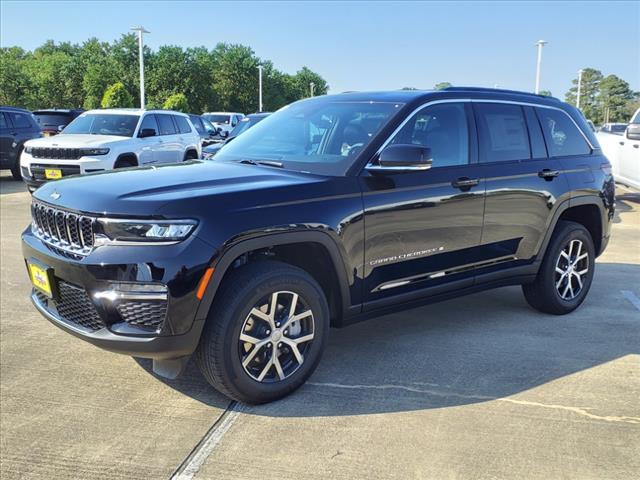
151,150
7,149
171,147
522,184
423,228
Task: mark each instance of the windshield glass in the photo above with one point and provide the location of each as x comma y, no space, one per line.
103,124
52,119
618,128
319,136
244,124
218,118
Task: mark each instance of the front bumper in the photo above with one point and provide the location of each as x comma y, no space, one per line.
103,322
33,169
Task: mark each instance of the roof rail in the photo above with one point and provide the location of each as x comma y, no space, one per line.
497,90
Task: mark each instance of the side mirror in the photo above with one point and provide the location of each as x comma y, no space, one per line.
61,127
224,133
403,158
147,132
633,131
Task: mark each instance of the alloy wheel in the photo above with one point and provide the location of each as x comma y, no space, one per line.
571,267
275,336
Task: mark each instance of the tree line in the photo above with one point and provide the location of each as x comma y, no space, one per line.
98,74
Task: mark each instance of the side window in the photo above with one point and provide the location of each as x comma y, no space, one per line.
234,120
561,134
3,121
442,128
149,122
182,124
502,132
197,122
166,124
20,120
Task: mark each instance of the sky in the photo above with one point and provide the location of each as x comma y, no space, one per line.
377,45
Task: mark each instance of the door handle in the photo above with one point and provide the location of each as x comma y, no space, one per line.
621,143
635,145
548,174
465,183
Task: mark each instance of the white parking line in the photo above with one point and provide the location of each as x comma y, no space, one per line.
635,301
207,445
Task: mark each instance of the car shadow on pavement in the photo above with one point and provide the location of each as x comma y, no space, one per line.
625,203
473,349
9,185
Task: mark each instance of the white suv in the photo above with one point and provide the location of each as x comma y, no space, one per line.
100,140
223,121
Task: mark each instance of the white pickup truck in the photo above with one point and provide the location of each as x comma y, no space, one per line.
624,152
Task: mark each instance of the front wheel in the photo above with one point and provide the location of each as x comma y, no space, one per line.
566,273
265,333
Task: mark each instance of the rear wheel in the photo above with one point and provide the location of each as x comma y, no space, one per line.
15,168
125,163
190,155
265,333
566,273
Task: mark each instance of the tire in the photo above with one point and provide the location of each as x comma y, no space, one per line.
15,169
557,293
220,353
190,155
125,163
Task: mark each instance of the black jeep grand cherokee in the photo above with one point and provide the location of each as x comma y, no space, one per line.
332,210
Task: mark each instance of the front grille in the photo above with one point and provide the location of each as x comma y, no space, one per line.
38,170
143,314
56,153
73,306
63,230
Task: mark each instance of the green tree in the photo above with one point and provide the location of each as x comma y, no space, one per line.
235,78
303,79
177,102
613,98
546,93
442,85
117,96
16,87
588,93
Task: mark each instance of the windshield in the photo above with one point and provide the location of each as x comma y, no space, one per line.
103,124
619,128
218,118
245,124
318,136
52,119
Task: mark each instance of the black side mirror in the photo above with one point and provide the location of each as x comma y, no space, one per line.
633,131
147,132
403,158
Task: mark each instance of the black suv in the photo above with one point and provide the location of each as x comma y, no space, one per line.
53,120
16,127
332,210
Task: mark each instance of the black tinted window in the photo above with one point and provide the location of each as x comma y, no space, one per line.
166,124
20,120
443,129
197,123
3,121
502,133
561,134
149,122
182,124
53,119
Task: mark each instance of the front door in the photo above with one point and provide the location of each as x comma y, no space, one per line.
423,228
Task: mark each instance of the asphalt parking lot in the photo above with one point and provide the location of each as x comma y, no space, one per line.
479,387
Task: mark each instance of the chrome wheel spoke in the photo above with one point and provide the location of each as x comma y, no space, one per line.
564,255
582,272
560,271
559,283
579,279
581,257
275,338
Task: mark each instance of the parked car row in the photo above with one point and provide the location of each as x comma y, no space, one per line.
623,151
16,127
242,126
100,140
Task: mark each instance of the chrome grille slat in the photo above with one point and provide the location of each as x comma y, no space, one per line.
63,230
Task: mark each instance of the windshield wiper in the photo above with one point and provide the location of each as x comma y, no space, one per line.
266,163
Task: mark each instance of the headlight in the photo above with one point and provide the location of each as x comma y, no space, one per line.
94,151
28,149
143,231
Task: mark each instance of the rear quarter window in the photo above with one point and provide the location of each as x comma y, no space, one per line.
561,134
182,124
165,124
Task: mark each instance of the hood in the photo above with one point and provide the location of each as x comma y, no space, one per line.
65,140
144,191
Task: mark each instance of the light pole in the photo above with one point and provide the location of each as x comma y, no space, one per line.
141,31
540,44
579,89
311,85
259,88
